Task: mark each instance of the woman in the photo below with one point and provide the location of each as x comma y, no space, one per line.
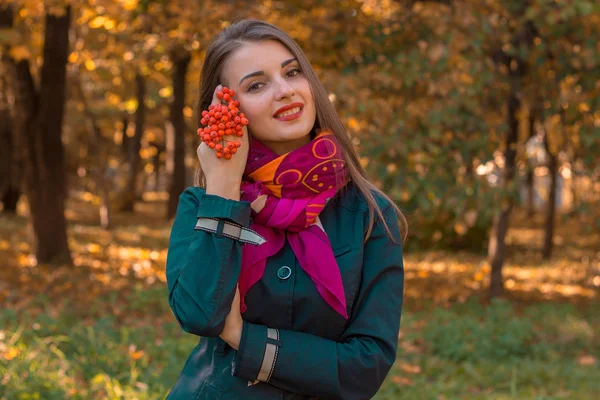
285,259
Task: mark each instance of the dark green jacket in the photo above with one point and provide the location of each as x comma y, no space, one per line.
319,354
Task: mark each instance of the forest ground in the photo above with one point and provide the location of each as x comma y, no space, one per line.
104,328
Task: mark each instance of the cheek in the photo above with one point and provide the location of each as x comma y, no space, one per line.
307,93
253,108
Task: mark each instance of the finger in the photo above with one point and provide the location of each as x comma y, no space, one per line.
215,99
245,138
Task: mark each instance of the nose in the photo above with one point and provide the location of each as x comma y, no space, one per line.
284,89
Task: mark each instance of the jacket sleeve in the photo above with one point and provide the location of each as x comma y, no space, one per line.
355,366
202,267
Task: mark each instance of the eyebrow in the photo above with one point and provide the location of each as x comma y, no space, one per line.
257,73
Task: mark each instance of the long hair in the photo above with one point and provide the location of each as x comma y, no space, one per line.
248,30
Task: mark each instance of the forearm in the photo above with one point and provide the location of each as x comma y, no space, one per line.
202,268
202,296
224,188
314,366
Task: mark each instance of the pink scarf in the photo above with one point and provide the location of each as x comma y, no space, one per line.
297,185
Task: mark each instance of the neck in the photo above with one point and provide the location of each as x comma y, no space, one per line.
281,148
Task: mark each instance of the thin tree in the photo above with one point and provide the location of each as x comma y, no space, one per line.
517,68
176,130
135,144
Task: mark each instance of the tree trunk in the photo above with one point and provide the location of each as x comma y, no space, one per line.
517,70
99,159
131,189
9,187
10,165
125,139
37,119
176,133
497,244
530,177
551,209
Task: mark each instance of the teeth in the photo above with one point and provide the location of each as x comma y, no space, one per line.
289,112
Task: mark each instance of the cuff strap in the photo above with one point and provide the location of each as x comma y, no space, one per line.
270,357
230,230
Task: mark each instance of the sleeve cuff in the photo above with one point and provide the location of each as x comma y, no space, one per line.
248,360
213,206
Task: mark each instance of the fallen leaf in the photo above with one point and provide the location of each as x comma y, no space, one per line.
587,360
401,380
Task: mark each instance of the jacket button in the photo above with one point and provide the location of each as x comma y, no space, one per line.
284,272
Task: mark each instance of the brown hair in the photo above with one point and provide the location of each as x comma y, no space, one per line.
247,30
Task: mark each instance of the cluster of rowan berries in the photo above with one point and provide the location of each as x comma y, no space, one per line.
223,120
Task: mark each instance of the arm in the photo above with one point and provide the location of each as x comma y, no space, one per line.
203,268
355,366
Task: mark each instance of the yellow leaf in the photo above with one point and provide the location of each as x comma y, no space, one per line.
90,65
584,107
129,5
97,22
460,228
353,124
131,105
113,99
188,112
466,78
19,53
94,248
73,57
109,24
136,355
166,91
11,353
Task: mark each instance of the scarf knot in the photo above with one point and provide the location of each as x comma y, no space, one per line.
297,186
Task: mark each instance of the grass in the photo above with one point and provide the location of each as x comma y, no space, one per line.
546,351
103,330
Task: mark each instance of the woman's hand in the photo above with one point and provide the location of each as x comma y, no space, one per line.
232,332
224,177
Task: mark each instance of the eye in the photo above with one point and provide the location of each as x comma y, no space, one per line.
254,86
294,72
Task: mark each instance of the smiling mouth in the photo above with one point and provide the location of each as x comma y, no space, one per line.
286,113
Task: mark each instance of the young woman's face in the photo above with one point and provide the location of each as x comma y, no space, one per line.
266,77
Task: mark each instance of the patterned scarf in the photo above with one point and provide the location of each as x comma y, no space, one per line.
297,186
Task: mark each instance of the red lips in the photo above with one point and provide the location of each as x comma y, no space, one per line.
288,107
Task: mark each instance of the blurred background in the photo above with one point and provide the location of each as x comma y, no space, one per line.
479,118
